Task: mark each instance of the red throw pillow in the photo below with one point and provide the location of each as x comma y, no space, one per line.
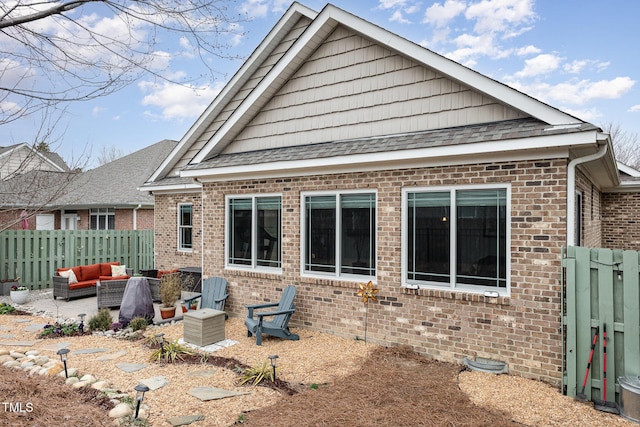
90,272
105,268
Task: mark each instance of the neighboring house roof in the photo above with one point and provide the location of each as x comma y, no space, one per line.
52,159
33,189
292,51
115,184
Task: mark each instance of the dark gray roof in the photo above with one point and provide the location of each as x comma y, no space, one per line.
497,131
56,159
115,184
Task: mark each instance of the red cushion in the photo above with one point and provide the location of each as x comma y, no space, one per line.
113,277
105,268
76,271
83,284
163,272
90,272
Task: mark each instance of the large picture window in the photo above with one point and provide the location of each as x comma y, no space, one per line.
456,238
185,227
254,231
340,234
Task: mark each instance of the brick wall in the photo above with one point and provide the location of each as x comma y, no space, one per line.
621,221
523,330
167,254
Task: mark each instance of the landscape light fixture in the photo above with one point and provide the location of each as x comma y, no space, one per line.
63,352
140,389
160,337
81,325
274,364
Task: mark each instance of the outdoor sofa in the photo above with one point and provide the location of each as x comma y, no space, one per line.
110,292
80,281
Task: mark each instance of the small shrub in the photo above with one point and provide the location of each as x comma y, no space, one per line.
116,326
170,352
101,321
6,308
138,324
256,374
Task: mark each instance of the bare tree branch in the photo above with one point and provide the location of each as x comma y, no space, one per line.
626,145
55,52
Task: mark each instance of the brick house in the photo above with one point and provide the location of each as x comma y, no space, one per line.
341,153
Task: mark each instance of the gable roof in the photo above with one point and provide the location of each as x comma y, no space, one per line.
50,157
115,184
211,154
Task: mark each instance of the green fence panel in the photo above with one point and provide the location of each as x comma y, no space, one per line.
602,287
34,255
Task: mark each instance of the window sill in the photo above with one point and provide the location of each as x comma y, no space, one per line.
456,295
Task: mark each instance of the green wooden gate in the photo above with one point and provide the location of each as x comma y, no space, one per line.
34,255
602,286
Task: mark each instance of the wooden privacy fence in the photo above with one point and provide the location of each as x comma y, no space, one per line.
34,255
602,286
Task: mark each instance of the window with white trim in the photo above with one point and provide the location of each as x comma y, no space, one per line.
340,234
185,227
102,219
254,232
456,238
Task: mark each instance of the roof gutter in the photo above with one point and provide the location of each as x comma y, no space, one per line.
571,188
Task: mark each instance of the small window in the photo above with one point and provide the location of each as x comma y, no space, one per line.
185,227
254,233
340,234
102,219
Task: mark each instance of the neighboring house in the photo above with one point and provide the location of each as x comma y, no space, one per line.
341,153
30,179
107,197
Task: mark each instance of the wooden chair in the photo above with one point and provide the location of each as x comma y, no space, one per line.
278,327
214,294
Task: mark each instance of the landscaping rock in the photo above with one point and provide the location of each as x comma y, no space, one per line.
184,420
120,410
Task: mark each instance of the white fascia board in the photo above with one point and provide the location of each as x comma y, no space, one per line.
175,188
522,148
273,77
282,27
628,170
328,19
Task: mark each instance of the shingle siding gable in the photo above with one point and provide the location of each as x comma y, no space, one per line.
352,88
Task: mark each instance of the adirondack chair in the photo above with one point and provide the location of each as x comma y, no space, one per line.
214,294
276,327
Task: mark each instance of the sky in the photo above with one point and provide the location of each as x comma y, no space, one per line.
580,56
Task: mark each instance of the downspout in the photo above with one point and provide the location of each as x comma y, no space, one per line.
135,216
571,190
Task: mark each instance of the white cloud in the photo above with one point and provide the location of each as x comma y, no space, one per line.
178,101
391,4
502,16
255,8
634,108
527,50
398,17
96,111
441,14
588,115
576,92
541,64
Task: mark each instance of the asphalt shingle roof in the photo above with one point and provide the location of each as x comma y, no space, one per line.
497,131
116,183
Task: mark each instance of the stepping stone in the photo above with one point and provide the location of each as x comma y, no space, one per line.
213,393
184,420
90,350
4,328
19,343
57,346
155,383
34,327
203,373
23,321
111,356
131,367
209,348
7,337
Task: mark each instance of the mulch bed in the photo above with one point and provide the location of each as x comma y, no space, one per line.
396,387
